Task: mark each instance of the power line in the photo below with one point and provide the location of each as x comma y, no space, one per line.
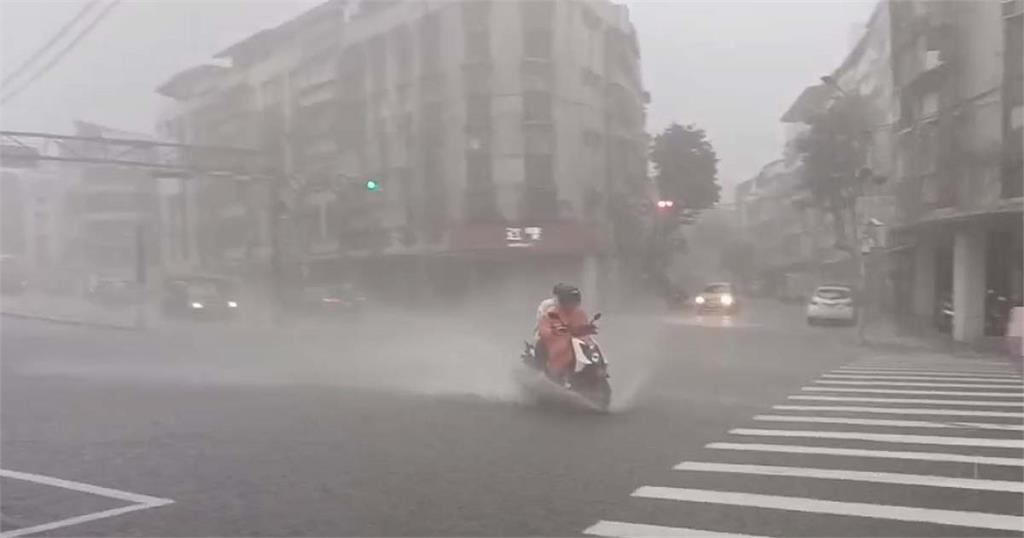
17,72
61,54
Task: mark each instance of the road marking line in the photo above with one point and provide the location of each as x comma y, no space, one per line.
921,378
141,502
983,403
894,423
856,476
85,488
865,453
944,375
899,410
899,383
61,523
620,529
817,506
901,391
977,371
886,437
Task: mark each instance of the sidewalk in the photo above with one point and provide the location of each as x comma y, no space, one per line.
890,335
71,310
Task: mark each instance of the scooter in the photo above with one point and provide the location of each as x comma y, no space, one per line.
589,378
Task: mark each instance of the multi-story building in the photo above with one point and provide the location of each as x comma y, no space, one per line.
492,128
956,72
942,86
108,207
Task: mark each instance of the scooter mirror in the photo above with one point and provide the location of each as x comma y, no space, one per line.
597,316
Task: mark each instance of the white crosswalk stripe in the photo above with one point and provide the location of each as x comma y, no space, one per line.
919,401
892,423
922,378
901,391
859,476
899,411
899,383
803,504
863,414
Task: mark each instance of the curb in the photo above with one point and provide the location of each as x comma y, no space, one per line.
70,321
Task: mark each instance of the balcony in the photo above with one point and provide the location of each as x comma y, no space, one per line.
1013,8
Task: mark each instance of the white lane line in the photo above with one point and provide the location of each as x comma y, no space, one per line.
982,403
893,423
141,502
929,373
961,518
901,391
74,520
856,476
621,529
865,453
886,437
922,378
899,410
900,383
85,488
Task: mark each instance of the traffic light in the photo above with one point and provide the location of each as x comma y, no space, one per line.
372,185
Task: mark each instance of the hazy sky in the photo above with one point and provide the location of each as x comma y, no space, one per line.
730,66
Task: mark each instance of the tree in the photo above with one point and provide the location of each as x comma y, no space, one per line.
686,167
833,152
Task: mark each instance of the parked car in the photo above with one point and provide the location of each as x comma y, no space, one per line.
832,303
719,297
200,297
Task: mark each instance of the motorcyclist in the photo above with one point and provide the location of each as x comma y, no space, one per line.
558,325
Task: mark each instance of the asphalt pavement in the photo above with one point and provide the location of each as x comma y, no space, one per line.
405,424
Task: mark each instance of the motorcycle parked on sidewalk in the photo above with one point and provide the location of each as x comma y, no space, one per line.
588,380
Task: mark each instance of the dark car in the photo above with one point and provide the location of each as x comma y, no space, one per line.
718,297
200,297
328,299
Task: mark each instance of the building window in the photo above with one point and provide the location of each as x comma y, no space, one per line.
478,45
537,44
476,13
536,107
478,110
540,197
592,139
537,13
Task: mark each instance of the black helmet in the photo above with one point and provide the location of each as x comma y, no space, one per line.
567,294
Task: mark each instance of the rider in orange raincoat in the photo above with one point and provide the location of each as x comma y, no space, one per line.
557,328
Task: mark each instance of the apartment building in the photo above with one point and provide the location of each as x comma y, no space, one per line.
943,87
476,120
956,71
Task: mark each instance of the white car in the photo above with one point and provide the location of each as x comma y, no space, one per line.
831,304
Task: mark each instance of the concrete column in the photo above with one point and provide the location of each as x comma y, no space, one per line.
923,280
969,248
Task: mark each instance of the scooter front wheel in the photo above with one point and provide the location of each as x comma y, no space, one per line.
599,394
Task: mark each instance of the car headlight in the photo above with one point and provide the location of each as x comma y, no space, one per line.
197,306
727,299
232,304
699,299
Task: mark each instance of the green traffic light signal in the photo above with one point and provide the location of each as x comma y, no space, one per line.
372,185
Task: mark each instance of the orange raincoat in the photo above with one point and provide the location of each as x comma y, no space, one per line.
556,333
